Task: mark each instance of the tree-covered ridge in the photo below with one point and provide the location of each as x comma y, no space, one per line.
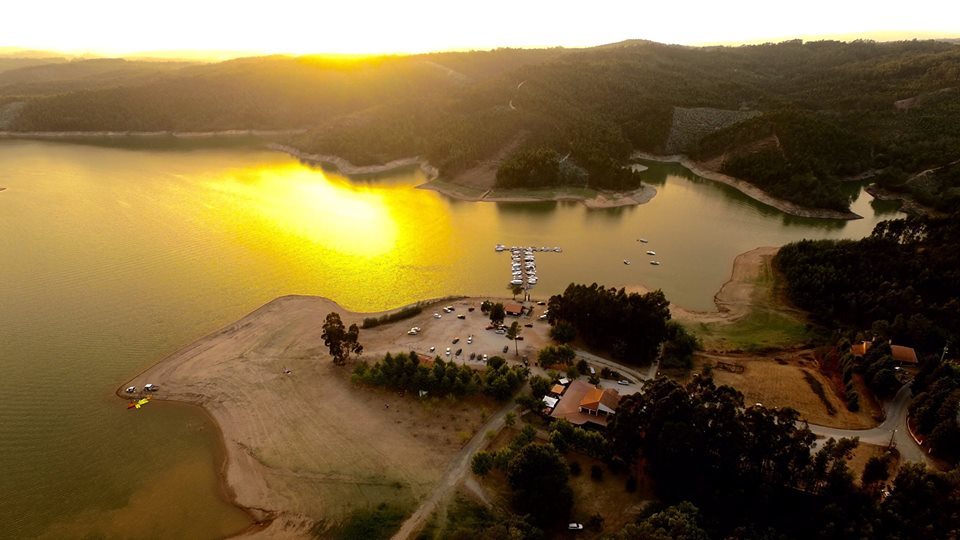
631,326
903,278
836,108
795,155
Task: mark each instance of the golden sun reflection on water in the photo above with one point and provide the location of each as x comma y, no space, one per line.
311,205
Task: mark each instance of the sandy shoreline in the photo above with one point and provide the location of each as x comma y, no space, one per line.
734,299
749,189
592,199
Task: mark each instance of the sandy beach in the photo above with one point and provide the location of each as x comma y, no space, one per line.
748,189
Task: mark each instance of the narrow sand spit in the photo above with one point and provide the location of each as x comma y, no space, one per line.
749,189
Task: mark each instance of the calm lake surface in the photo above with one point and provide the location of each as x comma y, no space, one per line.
111,258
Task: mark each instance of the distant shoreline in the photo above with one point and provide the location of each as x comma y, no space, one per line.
590,198
749,189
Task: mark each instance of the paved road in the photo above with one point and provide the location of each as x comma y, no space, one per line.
457,470
895,424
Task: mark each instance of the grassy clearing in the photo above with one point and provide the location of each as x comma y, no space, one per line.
784,384
608,496
769,322
761,329
370,524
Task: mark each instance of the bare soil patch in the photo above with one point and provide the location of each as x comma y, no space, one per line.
784,383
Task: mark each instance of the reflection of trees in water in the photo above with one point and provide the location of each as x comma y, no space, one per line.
885,208
528,209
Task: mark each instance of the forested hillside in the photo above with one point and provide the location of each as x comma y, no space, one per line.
827,109
902,281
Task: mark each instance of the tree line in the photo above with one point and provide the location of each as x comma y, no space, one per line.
405,372
630,326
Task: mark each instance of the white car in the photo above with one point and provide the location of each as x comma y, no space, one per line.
575,526
432,349
470,340
624,382
411,332
448,351
437,315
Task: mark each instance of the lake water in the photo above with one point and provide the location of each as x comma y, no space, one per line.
112,258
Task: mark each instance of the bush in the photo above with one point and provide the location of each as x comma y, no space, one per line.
596,472
575,469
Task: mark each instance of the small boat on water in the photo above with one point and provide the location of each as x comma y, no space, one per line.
626,262
655,263
643,240
651,253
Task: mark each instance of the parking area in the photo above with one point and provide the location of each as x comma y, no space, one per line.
466,331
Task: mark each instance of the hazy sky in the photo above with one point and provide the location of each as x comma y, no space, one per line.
365,26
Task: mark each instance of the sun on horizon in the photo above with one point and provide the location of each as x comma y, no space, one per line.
219,29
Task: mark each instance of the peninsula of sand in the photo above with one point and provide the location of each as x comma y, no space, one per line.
305,447
748,189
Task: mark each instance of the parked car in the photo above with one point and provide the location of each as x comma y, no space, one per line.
484,358
541,303
150,387
461,316
543,317
436,315
131,389
506,348
575,526
529,325
448,351
519,338
432,349
411,332
450,308
470,309
456,340
469,340
459,351
473,356
623,382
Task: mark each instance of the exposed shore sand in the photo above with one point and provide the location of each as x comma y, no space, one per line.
749,189
593,199
734,299
306,448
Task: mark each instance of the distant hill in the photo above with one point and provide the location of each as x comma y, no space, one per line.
830,107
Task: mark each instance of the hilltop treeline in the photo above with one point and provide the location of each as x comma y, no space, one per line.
570,116
630,326
902,281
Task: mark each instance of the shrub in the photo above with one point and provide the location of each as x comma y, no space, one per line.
596,472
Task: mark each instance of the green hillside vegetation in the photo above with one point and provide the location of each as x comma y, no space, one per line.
572,117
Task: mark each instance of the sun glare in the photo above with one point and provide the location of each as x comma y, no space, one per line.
309,205
375,27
